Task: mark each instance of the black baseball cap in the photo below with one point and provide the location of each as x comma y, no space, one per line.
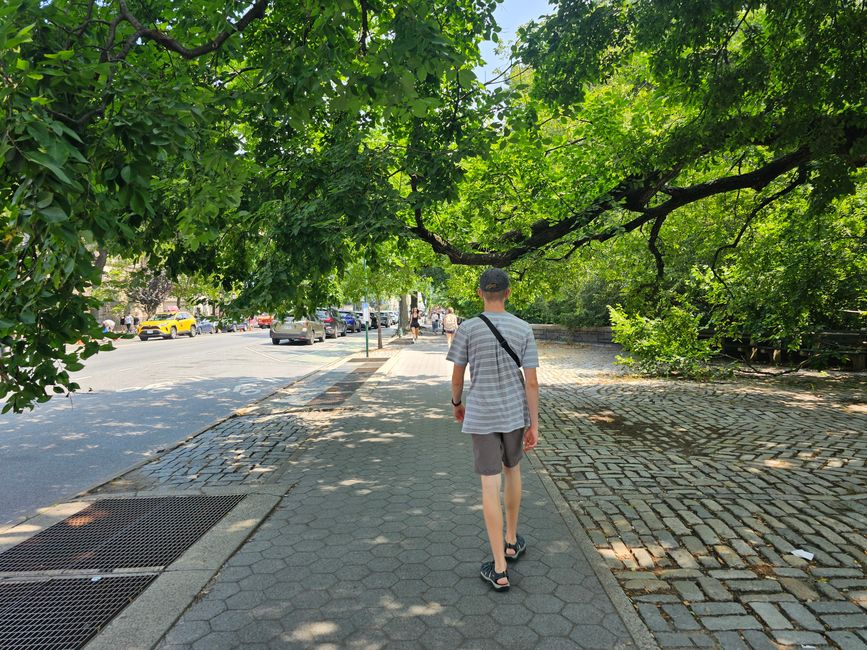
494,280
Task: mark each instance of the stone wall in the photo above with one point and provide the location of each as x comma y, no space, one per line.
566,335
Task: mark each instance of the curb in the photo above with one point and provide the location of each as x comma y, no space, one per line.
635,626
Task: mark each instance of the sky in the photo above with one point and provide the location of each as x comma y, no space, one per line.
510,15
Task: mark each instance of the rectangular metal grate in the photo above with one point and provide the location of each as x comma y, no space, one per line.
120,533
63,613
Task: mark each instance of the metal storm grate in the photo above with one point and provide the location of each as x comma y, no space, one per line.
64,613
120,533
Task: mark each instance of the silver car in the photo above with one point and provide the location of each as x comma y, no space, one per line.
307,329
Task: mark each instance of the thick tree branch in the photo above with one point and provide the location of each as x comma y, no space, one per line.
257,10
633,194
365,30
799,179
757,180
654,249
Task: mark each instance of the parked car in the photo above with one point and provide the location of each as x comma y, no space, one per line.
359,316
205,326
264,320
353,324
306,329
237,326
334,325
384,318
168,326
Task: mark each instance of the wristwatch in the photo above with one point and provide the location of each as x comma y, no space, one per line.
456,404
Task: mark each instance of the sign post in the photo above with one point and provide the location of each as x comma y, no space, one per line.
365,308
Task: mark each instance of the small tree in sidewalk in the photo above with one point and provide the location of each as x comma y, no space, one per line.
149,289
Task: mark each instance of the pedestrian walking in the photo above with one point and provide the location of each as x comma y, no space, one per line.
435,322
127,321
135,322
450,325
501,412
414,325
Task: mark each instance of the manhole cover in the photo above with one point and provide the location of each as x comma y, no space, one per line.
120,533
62,613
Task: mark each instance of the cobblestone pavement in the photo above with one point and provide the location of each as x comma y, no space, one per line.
253,447
696,494
379,542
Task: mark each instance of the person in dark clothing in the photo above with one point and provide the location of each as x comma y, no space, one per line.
414,325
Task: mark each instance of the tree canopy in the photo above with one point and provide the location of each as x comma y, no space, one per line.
272,145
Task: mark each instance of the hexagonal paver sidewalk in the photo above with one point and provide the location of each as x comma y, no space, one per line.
379,543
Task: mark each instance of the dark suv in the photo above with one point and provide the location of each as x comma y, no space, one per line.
334,324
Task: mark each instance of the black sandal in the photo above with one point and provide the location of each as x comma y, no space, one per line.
519,547
490,575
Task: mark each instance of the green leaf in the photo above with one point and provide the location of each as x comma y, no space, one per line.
54,214
42,159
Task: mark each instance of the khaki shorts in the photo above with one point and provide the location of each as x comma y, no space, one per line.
493,450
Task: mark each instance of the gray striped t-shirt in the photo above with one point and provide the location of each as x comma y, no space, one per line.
496,401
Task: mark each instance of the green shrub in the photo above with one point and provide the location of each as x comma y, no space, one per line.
665,345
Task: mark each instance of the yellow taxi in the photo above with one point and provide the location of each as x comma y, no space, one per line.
168,326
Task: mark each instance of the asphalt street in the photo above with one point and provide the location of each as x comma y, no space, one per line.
138,399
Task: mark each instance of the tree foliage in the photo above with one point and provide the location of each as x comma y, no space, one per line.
269,146
149,289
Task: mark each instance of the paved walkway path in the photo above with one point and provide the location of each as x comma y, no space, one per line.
378,544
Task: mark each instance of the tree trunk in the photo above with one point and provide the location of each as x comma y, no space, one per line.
401,317
379,324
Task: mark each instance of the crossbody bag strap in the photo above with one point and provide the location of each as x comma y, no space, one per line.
503,342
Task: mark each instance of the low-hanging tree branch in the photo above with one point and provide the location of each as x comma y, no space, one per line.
654,248
800,178
632,194
257,10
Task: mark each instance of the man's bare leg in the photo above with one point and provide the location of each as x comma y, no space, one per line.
494,522
512,498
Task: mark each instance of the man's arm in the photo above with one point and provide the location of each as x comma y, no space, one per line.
457,390
531,388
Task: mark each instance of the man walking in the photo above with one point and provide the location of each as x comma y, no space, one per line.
501,412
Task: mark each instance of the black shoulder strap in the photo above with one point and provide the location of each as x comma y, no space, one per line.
503,342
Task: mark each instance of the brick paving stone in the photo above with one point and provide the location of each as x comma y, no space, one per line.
844,621
759,640
681,617
731,623
833,607
801,616
717,609
771,616
791,637
847,641
730,641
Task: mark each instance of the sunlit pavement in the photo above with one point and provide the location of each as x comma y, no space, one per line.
379,541
693,495
137,399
